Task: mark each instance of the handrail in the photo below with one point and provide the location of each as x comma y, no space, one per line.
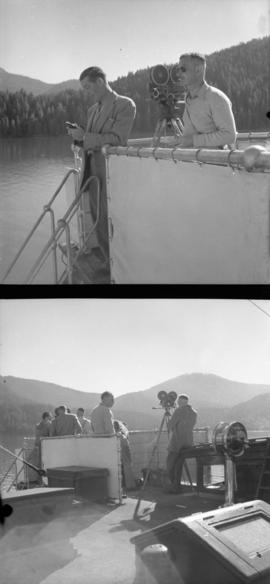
258,159
60,229
46,208
9,469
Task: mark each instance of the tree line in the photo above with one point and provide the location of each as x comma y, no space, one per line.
241,72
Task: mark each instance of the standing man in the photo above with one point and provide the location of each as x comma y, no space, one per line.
208,118
65,424
42,429
180,427
110,121
85,423
102,417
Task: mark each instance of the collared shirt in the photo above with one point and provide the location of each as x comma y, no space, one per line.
208,117
102,420
86,425
109,121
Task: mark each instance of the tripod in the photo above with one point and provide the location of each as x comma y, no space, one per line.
167,119
164,420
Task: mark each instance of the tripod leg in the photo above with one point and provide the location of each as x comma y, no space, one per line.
160,131
176,128
180,125
149,464
157,132
153,453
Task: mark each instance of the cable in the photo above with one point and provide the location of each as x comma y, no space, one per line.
259,308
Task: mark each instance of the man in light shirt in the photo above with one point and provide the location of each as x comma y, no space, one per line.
102,417
85,423
208,118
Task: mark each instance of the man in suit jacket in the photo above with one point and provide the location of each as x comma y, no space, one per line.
110,121
65,424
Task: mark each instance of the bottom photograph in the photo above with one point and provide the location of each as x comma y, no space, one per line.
135,441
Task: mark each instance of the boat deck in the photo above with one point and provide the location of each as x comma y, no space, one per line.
89,542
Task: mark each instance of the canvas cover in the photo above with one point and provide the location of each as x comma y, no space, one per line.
187,223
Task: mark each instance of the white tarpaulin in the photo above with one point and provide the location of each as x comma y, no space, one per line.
186,223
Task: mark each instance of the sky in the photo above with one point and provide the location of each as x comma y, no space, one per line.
54,40
125,345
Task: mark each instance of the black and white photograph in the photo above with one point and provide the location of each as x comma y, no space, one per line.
134,142
135,441
135,409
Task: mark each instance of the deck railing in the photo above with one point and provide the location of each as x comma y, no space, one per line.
63,227
141,148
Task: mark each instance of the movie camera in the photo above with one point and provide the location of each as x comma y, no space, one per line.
164,85
167,400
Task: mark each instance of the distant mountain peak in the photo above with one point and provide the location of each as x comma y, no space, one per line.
13,82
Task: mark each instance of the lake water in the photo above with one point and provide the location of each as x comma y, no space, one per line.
31,170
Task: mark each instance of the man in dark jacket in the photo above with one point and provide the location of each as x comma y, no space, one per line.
65,424
180,427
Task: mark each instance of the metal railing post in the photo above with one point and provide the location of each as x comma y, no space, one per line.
64,224
54,245
60,229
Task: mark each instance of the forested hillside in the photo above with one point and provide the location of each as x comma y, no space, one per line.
242,72
22,402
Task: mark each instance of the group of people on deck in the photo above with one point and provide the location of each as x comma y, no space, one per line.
180,427
64,423
208,122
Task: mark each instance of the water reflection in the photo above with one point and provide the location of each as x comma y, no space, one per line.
31,170
14,150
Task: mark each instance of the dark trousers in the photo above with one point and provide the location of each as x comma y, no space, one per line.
175,464
98,168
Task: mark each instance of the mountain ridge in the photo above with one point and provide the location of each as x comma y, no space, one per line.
250,403
14,82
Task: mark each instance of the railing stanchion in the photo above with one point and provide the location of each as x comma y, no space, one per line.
34,228
64,224
60,229
54,246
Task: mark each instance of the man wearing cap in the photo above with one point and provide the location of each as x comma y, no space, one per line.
110,120
180,427
208,118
